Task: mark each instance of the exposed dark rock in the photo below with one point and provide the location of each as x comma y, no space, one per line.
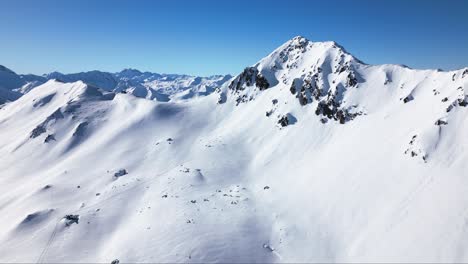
408,98
37,131
465,72
221,98
293,88
80,129
120,173
49,138
249,77
449,108
445,99
71,219
286,120
262,82
241,99
331,110
115,261
463,102
41,128
440,122
351,80
302,98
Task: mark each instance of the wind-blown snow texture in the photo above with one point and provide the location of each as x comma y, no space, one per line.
308,156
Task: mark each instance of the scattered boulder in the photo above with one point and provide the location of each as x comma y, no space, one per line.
49,138
286,120
71,219
441,122
120,173
266,187
283,121
115,261
408,99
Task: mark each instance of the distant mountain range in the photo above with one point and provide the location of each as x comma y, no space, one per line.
154,86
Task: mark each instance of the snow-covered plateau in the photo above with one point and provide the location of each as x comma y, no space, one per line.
310,155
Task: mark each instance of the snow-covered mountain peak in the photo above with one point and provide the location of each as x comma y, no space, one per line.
311,156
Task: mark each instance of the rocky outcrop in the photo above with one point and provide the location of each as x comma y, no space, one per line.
249,77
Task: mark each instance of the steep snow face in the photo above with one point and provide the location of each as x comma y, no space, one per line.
307,156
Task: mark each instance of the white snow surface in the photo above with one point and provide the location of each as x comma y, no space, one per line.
368,178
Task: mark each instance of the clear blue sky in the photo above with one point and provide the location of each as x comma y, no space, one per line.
216,37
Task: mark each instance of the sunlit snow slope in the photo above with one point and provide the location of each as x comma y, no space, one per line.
307,156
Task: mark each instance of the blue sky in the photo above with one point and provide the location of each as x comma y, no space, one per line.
217,37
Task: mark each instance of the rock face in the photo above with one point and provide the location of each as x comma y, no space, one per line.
249,77
318,74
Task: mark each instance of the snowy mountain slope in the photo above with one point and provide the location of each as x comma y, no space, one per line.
307,156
